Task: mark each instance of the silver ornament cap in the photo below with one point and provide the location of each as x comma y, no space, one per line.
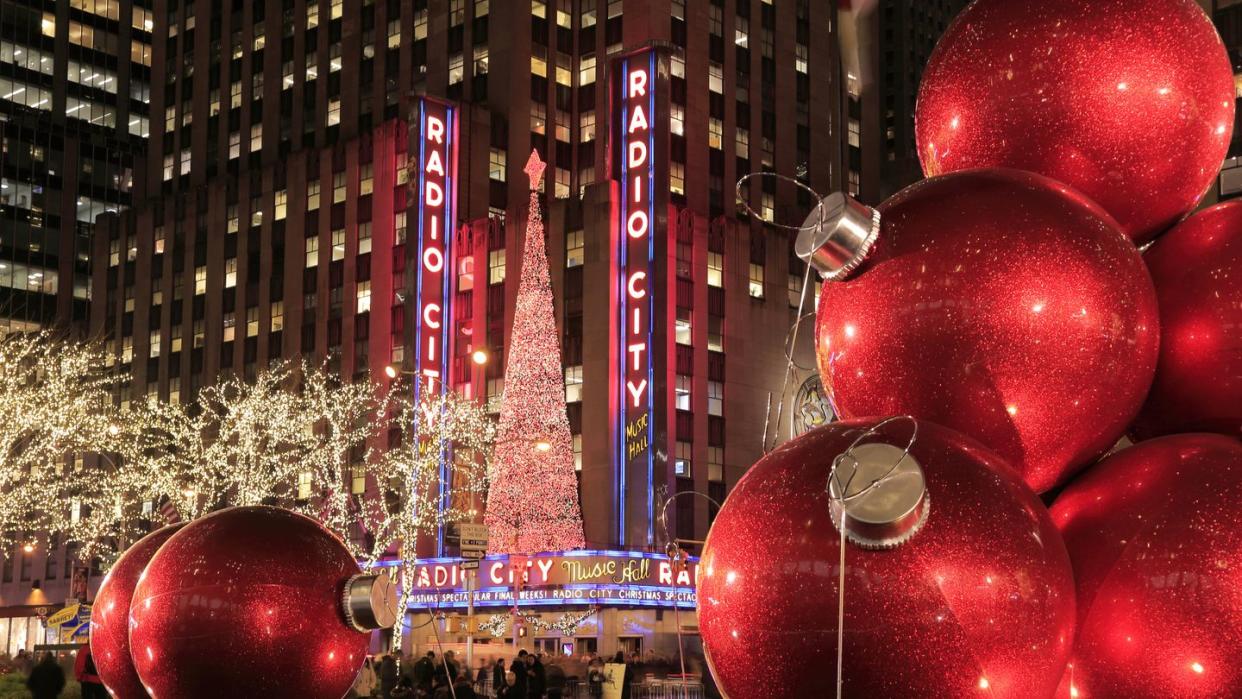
370,601
878,494
836,244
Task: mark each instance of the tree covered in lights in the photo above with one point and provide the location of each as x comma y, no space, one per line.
532,502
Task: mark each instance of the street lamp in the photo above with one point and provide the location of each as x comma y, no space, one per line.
479,357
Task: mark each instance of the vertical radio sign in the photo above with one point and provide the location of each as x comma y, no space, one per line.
437,164
636,258
437,196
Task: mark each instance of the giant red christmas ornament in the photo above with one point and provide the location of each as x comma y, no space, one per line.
1129,101
1153,535
995,302
254,601
110,616
965,588
1197,269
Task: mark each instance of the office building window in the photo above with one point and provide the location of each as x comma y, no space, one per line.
575,248
683,392
756,281
715,398
496,266
573,384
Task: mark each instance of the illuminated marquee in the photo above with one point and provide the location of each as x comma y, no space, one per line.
607,578
437,164
636,257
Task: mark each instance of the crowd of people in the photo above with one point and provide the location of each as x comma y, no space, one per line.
527,676
46,678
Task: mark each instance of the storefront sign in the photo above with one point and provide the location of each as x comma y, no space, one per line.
636,271
610,578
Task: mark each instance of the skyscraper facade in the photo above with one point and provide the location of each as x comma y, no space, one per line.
74,95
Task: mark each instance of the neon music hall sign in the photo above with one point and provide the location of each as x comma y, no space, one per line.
636,269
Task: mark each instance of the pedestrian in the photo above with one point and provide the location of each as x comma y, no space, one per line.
498,674
364,684
388,675
596,678
508,688
87,676
538,677
451,666
556,680
25,662
46,679
423,670
523,675
463,688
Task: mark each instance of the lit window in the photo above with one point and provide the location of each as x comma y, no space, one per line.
457,69
338,7
252,321
767,207
539,63
334,57
420,25
230,273
312,195
312,14
338,244
256,138
364,237
564,76
480,60
683,392
586,70
286,75
312,251
715,398
304,478
677,119
562,184
741,32
282,198
573,384
200,280
715,78
586,9
358,481
715,464
235,92
497,164
683,327
715,269
743,143
715,333
334,112
394,33
496,266
364,297
802,54
256,211
338,187
278,316
577,452
159,240
259,39
756,281
855,132
575,248
586,127
681,466
154,343
366,179
539,8
312,66
169,167
234,145
677,66
715,133
562,126
677,178
538,118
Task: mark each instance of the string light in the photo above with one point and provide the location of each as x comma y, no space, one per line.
533,504
566,624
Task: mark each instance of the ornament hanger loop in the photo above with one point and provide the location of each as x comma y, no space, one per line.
791,338
819,201
843,495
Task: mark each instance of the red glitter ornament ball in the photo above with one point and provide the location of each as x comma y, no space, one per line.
1197,270
246,602
978,602
1153,535
1003,305
110,616
1129,101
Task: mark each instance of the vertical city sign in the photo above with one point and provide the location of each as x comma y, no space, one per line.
436,196
437,165
635,257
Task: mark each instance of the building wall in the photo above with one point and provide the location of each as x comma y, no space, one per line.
74,92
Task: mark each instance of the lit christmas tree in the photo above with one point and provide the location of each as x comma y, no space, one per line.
532,502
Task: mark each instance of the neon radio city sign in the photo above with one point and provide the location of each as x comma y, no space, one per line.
437,163
635,258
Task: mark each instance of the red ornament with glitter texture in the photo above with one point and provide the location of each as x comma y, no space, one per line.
1129,101
979,600
110,616
1001,304
246,602
1153,535
1197,270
